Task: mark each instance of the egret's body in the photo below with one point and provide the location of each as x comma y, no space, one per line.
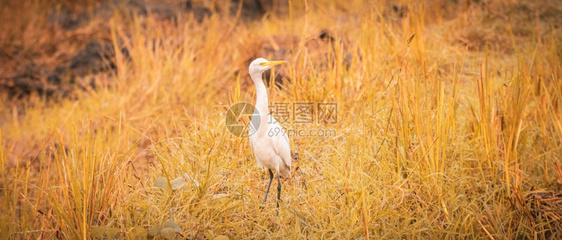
269,142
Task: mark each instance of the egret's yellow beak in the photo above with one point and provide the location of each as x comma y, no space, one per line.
271,63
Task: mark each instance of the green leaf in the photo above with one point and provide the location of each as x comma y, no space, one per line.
161,183
171,224
111,232
168,233
138,232
154,230
221,237
181,181
98,231
177,183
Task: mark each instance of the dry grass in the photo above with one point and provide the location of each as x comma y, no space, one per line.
454,132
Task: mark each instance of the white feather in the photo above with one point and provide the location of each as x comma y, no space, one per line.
269,141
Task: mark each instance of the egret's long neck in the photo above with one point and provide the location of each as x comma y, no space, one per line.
261,102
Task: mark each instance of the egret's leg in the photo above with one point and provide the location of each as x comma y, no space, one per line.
268,185
278,190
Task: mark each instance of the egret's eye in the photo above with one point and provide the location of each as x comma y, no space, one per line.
263,64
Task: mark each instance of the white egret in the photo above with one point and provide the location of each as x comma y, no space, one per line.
269,141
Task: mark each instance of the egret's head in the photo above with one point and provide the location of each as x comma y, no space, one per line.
261,65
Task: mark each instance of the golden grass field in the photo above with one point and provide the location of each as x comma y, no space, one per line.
449,124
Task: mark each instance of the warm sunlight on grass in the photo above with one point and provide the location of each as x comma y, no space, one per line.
449,124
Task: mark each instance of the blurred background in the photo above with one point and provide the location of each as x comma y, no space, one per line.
49,47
